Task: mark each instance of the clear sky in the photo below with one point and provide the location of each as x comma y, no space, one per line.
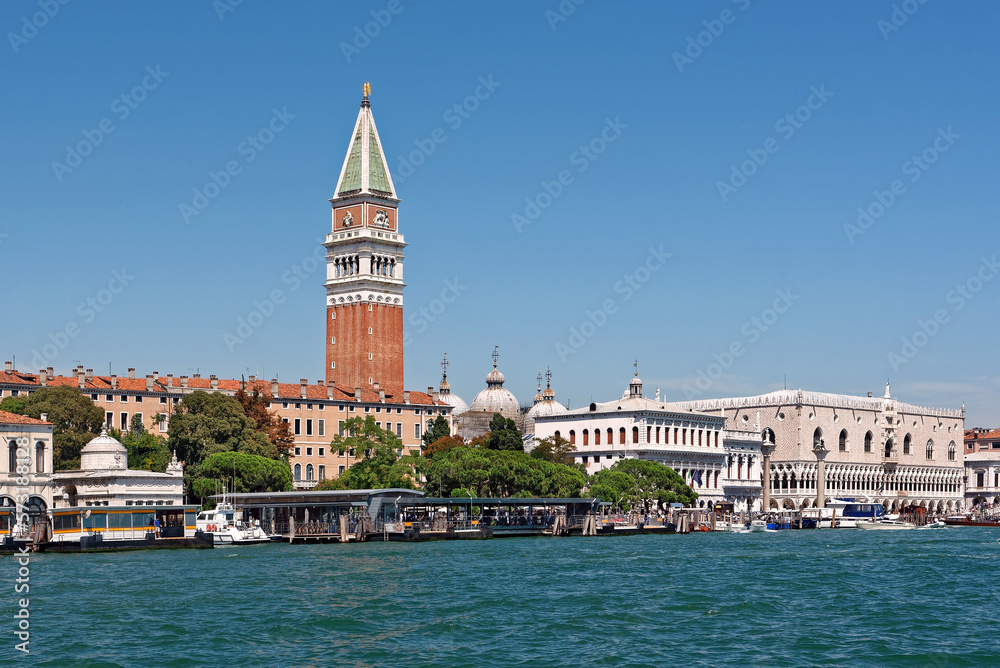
735,139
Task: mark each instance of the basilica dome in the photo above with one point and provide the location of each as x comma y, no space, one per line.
458,405
495,399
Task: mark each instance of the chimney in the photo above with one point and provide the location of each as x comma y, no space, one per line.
90,374
44,417
303,386
131,372
79,370
434,397
406,396
81,380
430,390
197,375
357,393
184,381
170,380
274,388
329,391
381,394
50,372
214,382
114,382
8,366
869,394
321,382
42,378
149,382
252,379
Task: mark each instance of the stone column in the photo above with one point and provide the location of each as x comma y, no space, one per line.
766,450
820,451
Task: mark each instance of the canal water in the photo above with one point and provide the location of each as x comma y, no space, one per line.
796,598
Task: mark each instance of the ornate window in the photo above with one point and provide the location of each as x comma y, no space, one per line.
906,444
842,445
868,442
930,448
951,451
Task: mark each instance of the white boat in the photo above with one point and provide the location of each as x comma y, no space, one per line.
758,526
227,529
887,525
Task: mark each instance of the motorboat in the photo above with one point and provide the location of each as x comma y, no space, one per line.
227,526
887,525
758,526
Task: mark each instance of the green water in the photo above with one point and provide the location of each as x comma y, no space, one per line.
846,597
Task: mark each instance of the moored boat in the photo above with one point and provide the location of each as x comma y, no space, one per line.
887,525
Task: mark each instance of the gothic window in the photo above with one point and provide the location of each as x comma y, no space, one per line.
888,448
930,449
951,451
868,442
586,435
906,444
842,445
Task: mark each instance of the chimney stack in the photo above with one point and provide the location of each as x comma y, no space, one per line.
321,382
8,366
170,380
114,382
381,394
184,381
50,372
213,381
131,372
329,391
357,393
303,386
251,379
406,396
42,378
44,417
149,382
90,374
869,394
274,388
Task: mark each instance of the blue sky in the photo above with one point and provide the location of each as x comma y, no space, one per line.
669,98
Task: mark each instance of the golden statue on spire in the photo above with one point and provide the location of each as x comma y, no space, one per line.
367,88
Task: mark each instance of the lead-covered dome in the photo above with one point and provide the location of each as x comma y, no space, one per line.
496,399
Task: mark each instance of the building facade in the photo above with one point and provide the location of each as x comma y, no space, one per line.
722,465
364,274
313,411
34,437
897,454
982,467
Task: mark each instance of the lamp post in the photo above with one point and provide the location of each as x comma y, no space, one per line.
766,450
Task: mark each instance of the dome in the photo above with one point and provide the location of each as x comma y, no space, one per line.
495,399
103,452
458,405
546,408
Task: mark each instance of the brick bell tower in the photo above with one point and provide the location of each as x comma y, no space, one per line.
364,268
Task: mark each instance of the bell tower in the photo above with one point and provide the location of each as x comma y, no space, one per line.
364,268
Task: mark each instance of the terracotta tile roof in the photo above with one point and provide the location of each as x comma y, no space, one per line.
971,435
286,391
14,418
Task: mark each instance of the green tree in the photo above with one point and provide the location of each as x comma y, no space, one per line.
498,473
555,449
75,421
146,451
14,405
207,423
135,425
439,429
251,473
633,483
255,405
380,464
504,435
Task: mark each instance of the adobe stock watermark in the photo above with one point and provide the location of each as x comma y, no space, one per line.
786,126
381,18
958,297
581,158
425,315
248,149
901,13
31,25
714,28
263,309
627,287
122,107
914,168
562,12
22,584
751,332
454,116
223,7
87,310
